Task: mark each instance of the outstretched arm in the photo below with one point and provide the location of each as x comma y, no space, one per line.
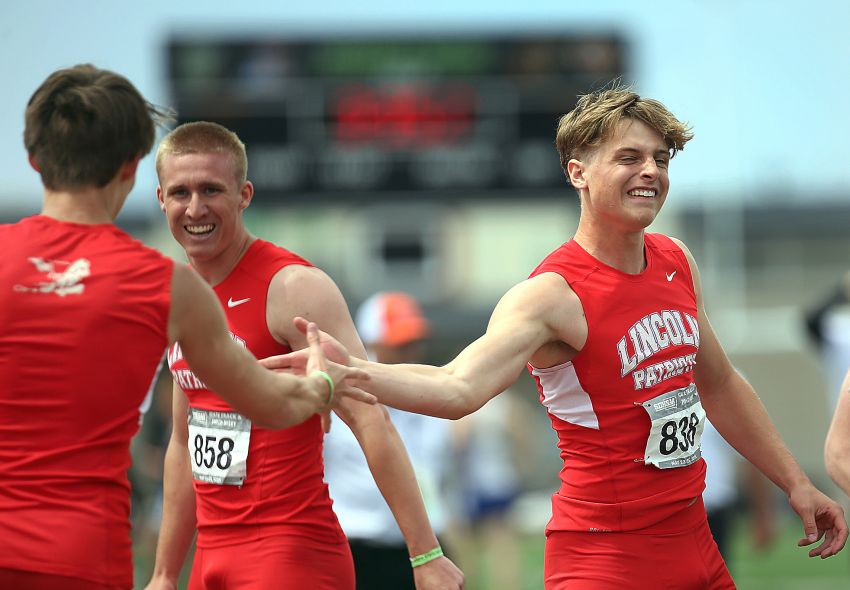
537,312
532,314
837,450
740,417
272,400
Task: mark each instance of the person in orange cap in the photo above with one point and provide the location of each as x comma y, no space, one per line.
394,330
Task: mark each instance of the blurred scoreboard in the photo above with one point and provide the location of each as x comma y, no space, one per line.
398,118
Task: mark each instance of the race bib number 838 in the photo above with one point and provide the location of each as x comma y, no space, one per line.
677,424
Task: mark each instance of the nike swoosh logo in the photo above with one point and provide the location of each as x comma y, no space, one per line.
232,303
670,276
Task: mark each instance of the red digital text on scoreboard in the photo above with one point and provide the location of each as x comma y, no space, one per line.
403,116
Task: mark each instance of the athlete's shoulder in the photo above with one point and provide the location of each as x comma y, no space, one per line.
275,254
661,242
6,229
302,279
10,237
568,260
147,259
264,260
305,291
664,242
27,225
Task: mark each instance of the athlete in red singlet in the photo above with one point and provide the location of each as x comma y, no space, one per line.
71,398
260,504
597,400
86,314
629,421
612,325
272,488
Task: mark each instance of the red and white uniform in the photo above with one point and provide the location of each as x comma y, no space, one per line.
642,341
84,315
281,494
628,420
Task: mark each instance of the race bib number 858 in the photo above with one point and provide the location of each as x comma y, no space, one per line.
218,446
677,424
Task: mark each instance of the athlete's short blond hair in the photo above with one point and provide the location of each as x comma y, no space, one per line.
597,114
204,137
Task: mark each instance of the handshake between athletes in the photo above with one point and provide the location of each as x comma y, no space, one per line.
442,392
333,380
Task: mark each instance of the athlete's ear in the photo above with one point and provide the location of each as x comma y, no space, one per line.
160,197
575,173
33,163
246,194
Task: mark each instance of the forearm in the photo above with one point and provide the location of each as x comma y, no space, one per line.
423,389
740,417
837,449
521,324
481,371
287,400
269,399
838,464
395,478
178,516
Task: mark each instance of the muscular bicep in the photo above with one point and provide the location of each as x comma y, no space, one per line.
300,291
309,293
532,315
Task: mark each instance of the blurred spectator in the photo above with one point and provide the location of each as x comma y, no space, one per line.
393,328
488,444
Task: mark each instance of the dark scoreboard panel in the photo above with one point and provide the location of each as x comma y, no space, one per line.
411,117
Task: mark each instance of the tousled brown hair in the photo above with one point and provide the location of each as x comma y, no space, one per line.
597,114
83,123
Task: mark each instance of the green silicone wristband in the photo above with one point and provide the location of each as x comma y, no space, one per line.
330,385
426,557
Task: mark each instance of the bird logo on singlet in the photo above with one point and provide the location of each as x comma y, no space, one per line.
63,278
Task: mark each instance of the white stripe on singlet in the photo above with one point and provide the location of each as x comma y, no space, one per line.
564,396
146,403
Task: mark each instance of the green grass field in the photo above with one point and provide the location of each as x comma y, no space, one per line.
786,566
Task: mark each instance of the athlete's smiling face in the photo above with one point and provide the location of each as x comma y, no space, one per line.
203,201
624,181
